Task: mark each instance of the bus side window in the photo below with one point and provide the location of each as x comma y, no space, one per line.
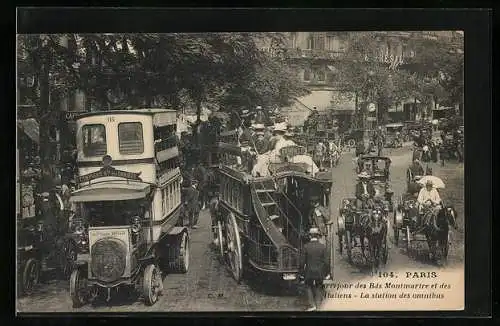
171,196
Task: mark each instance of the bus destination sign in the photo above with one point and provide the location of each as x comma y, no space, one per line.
109,171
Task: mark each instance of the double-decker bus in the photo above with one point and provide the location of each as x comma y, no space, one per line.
127,203
263,220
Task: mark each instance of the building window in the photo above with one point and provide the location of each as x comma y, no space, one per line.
316,41
307,74
310,42
163,201
94,140
130,138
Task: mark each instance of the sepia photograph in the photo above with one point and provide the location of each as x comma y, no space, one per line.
240,171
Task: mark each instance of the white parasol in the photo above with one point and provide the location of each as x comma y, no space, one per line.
436,182
312,167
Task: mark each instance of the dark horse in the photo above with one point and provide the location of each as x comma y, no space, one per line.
436,232
376,233
372,226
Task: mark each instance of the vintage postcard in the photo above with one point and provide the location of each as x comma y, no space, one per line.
291,171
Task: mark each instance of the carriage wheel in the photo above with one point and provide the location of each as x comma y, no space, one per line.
220,239
233,247
349,245
152,285
408,239
68,259
351,143
78,290
31,274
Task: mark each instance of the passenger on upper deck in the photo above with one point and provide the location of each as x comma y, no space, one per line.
280,131
260,142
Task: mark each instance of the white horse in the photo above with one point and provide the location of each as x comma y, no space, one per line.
334,152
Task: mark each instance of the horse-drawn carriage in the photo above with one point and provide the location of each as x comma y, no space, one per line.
393,135
452,147
42,242
378,168
262,218
421,225
357,226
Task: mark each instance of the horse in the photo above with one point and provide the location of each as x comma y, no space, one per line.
376,233
334,154
436,232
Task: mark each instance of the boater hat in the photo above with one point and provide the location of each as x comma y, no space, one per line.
363,175
258,127
280,127
313,231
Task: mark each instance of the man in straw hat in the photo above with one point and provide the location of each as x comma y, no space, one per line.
429,201
260,142
315,266
364,190
191,198
279,132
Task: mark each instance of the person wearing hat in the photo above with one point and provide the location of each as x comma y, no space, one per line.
364,190
315,267
289,133
191,195
260,142
278,136
319,217
429,201
215,214
319,154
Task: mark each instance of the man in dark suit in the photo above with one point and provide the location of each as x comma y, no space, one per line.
200,174
364,190
319,217
193,204
314,262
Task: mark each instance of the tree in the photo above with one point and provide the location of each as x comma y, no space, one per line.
438,76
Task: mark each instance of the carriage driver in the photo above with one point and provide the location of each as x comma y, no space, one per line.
429,201
364,190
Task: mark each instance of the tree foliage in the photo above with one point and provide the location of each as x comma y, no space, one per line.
173,70
436,71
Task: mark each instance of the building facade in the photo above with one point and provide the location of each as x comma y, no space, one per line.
316,57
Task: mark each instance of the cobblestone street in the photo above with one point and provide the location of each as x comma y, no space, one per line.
208,286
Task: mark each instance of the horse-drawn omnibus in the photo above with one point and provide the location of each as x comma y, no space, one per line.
127,204
263,218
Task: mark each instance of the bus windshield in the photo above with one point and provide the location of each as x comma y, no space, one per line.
113,213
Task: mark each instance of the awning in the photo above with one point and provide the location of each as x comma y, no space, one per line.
110,191
30,128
